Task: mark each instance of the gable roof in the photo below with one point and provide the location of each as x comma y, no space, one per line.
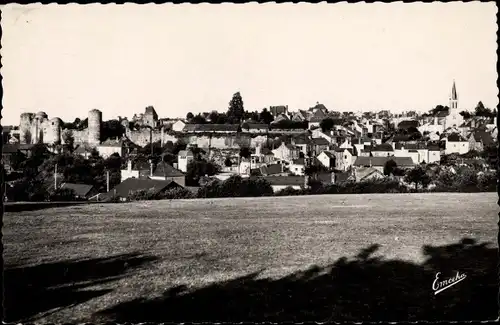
408,124
285,180
455,137
364,173
81,190
271,169
382,147
136,184
165,170
331,155
320,141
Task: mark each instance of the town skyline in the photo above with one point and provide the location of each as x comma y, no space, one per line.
403,59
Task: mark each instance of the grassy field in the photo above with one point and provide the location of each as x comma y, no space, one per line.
330,257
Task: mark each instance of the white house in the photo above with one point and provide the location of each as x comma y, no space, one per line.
183,159
110,146
178,126
297,167
344,158
455,143
327,159
286,152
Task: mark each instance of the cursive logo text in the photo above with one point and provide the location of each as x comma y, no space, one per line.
439,286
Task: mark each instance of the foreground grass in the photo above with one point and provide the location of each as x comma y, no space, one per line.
144,249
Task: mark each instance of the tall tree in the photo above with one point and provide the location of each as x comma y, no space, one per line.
236,109
265,116
189,116
69,140
418,176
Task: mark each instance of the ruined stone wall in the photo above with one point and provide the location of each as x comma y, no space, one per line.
141,137
80,136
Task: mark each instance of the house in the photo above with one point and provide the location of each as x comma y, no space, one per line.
299,116
286,152
302,143
110,147
278,110
319,145
262,156
81,191
380,150
279,118
419,152
273,169
379,162
297,167
327,159
479,139
367,173
344,158
318,133
131,185
184,157
164,171
279,183
178,126
455,143
315,121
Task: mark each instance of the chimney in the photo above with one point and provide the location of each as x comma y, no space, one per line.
473,123
129,165
495,120
435,120
333,177
151,168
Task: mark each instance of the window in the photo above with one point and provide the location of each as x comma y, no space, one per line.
345,157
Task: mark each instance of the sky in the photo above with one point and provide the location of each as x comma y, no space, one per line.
68,59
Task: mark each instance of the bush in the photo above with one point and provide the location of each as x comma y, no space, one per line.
142,195
236,186
177,193
288,191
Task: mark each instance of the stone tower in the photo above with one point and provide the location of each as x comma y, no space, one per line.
54,132
25,136
94,127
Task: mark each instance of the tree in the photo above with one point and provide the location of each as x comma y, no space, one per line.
418,176
111,129
326,124
189,116
389,167
480,110
213,116
265,116
198,119
236,109
199,168
69,140
465,114
245,152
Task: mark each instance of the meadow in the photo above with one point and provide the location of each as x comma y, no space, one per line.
317,258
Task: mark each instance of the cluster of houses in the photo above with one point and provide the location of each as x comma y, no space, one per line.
356,147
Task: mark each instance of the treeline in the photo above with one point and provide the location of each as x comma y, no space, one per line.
466,180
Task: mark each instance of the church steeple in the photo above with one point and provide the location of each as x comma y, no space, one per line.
454,92
453,97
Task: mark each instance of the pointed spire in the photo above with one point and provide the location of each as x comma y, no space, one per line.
454,91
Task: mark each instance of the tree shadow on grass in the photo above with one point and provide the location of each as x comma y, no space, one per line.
364,288
45,288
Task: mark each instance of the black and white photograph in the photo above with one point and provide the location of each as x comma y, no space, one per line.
213,163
